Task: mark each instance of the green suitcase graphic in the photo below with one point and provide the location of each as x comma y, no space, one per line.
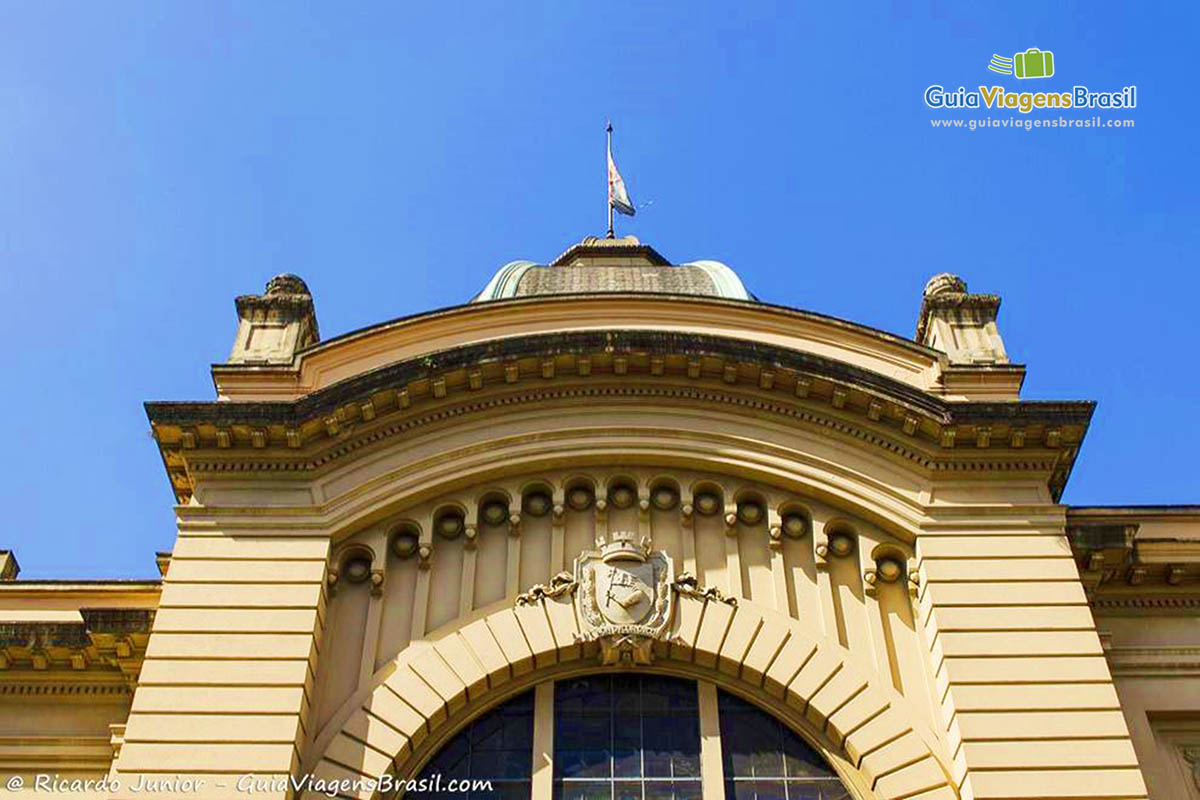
1034,63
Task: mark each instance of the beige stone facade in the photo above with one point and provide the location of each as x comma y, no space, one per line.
386,535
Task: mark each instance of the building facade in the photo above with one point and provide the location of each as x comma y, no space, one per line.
617,529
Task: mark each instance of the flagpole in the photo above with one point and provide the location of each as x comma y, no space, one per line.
608,130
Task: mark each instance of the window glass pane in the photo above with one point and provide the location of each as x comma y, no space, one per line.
739,790
627,762
769,790
807,791
831,791
497,746
583,763
801,761
765,760
640,732
583,790
627,790
686,790
452,761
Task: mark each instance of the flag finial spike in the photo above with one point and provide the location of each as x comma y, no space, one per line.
618,197
608,131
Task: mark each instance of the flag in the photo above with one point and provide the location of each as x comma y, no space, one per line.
618,198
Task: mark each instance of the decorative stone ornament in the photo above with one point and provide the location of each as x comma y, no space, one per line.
625,598
356,569
889,569
961,324
841,544
405,543
794,526
622,496
688,585
750,513
560,584
495,513
1191,755
838,545
449,525
707,503
664,498
625,601
351,566
580,498
775,540
274,325
537,504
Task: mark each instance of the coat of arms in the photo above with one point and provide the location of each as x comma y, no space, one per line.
624,593
625,597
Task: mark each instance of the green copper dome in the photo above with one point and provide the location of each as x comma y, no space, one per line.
596,266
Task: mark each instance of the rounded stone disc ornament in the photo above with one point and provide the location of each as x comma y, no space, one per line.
580,498
405,543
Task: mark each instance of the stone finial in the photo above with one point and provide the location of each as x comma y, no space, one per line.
945,283
287,283
9,568
274,325
960,324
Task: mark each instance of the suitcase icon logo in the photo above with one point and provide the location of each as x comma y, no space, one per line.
1033,63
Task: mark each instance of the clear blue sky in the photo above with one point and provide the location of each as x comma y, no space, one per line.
158,159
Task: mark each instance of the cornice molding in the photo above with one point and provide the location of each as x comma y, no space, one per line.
212,460
102,639
1114,558
63,688
1149,662
864,406
1152,604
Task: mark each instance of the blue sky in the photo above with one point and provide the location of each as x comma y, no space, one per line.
158,159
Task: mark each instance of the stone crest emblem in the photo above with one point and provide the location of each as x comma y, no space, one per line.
624,595
624,599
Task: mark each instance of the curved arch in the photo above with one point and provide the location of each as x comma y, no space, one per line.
534,485
815,685
449,509
707,484
346,552
494,494
793,462
619,479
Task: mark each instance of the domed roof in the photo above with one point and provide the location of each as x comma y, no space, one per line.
598,265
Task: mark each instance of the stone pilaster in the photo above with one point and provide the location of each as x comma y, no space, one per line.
227,682
1027,700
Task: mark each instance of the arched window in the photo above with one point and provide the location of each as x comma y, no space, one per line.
626,736
496,747
763,760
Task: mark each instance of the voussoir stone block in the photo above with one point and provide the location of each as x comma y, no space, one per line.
438,675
